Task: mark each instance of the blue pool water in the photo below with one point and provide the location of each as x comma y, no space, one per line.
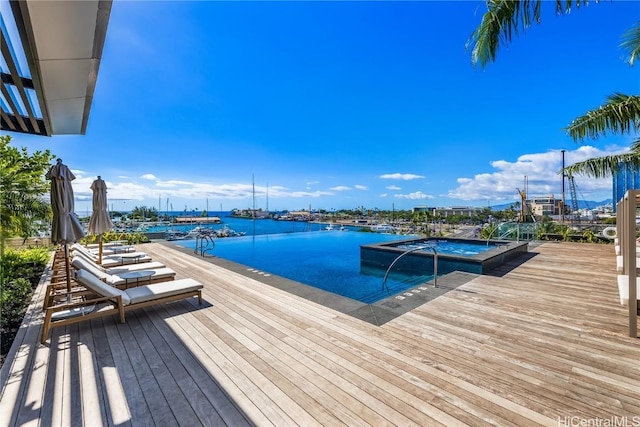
328,260
450,247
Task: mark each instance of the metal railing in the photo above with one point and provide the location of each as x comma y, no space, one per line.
435,265
204,243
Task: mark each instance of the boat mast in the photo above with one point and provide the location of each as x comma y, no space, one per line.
253,211
253,196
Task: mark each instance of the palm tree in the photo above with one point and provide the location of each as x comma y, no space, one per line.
619,114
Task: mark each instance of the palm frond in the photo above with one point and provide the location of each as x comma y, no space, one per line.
503,19
620,114
602,167
631,43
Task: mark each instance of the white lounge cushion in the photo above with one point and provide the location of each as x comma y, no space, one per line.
161,273
80,263
116,260
618,250
620,263
109,249
76,247
623,288
161,290
153,265
99,287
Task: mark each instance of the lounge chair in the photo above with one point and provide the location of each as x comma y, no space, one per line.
58,279
620,263
151,265
156,275
113,260
623,289
111,250
118,301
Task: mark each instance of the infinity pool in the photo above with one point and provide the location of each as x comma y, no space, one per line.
328,260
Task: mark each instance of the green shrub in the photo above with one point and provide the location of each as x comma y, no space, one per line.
111,236
22,263
14,299
20,272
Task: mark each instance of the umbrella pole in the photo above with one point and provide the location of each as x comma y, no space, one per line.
100,248
68,268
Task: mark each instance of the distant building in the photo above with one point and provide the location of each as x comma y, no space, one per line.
545,206
445,212
198,219
627,178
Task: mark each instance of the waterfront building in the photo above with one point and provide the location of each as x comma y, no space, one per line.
627,178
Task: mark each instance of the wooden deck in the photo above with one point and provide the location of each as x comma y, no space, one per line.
540,343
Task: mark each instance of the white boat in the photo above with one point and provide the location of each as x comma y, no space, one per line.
227,232
383,228
329,227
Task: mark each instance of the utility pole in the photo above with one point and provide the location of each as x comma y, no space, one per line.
563,179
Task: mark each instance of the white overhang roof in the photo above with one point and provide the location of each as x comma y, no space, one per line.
62,44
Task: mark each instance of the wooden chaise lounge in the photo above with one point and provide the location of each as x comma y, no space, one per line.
111,260
153,275
118,301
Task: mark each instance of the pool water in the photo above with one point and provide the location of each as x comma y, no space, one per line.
450,247
328,260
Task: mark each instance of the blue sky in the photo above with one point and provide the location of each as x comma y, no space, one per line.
340,105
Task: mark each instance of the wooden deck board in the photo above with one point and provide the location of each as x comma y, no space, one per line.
529,344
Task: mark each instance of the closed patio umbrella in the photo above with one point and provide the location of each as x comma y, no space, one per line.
65,226
100,221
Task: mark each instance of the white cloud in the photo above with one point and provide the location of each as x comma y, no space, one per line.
393,187
340,188
361,187
542,172
417,195
402,176
180,189
149,176
383,195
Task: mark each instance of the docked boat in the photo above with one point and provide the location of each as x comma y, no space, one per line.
383,228
227,232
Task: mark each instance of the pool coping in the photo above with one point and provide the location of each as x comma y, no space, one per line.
377,313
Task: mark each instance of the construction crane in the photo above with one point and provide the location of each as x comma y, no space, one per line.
523,205
574,197
524,208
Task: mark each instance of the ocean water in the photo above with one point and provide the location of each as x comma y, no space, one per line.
248,226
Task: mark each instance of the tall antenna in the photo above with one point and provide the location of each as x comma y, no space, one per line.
563,179
253,193
267,197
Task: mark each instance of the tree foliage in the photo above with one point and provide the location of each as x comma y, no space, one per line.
144,213
619,114
22,189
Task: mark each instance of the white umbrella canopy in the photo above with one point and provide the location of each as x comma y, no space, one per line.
65,226
100,221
